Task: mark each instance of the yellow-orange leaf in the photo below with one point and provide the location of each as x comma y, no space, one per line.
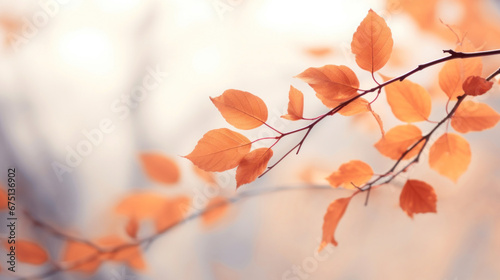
358,106
140,206
28,252
379,121
417,197
475,85
160,168
450,155
473,116
372,43
331,82
354,172
295,109
75,251
252,165
219,150
172,212
241,109
398,139
332,218
409,102
454,72
217,207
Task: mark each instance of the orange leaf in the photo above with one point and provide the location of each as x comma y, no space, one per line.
358,106
417,197
219,150
332,217
475,85
252,165
241,109
160,168
28,252
450,155
130,254
132,227
3,198
217,207
171,213
454,72
379,121
398,139
331,82
472,116
75,251
353,172
319,51
409,101
295,105
141,206
372,43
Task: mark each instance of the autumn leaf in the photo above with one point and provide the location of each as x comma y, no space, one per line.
241,109
319,51
216,207
454,72
372,43
252,165
398,139
358,106
295,105
3,198
475,85
354,172
28,252
331,82
474,116
75,251
219,150
379,121
160,168
450,155
171,213
417,197
409,102
331,220
132,227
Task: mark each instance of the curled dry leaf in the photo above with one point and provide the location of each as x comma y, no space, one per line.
331,220
219,150
417,197
398,139
217,207
241,109
372,43
450,155
295,109
252,165
160,168
409,102
28,252
474,116
354,172
475,85
454,72
331,82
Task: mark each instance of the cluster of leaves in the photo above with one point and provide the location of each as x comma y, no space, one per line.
338,88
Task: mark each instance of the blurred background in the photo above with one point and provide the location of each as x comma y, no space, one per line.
140,74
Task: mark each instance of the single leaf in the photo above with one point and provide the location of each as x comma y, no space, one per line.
295,109
475,85
141,206
319,51
474,116
454,72
398,139
409,102
131,255
160,168
417,197
252,165
216,207
172,213
379,121
75,251
132,227
219,150
28,252
358,106
372,43
331,220
241,109
354,172
450,155
331,82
